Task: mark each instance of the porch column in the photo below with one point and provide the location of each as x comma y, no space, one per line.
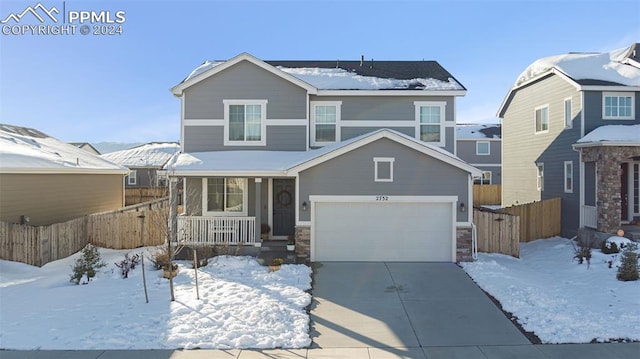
258,208
608,201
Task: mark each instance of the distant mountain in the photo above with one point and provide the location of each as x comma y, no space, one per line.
108,147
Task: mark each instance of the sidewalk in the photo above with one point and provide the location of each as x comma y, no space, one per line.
547,351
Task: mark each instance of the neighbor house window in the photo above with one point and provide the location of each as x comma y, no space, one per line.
430,122
483,148
542,119
225,195
244,122
618,106
540,177
132,178
383,171
567,113
485,179
568,176
325,122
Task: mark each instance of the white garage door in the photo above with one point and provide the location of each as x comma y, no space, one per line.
383,231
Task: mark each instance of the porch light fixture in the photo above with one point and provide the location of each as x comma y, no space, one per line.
304,206
462,207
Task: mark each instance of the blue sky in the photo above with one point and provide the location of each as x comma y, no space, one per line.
116,87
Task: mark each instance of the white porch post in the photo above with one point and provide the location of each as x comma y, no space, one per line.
258,209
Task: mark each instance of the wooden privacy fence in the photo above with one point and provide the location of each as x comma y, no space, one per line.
144,194
487,194
126,228
501,231
497,232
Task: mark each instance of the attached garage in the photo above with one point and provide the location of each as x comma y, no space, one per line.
383,228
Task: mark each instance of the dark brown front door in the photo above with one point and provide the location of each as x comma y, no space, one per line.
624,193
284,204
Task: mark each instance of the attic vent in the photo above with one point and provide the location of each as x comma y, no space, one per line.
361,60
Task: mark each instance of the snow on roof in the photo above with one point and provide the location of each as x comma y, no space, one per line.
28,150
613,133
609,67
207,65
340,79
478,131
154,154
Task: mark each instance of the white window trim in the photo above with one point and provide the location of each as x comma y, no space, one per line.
568,190
245,201
263,122
442,106
570,123
535,130
481,178
488,148
313,105
376,161
132,178
619,94
540,176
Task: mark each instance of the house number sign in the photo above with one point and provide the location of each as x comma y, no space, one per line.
382,198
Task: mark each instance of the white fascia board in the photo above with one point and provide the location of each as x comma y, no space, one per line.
391,93
479,139
178,89
620,88
388,199
228,174
63,171
606,144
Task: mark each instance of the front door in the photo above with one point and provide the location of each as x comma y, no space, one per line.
284,205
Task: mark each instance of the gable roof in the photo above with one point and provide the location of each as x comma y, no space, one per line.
289,163
585,71
86,146
478,131
341,75
26,150
148,155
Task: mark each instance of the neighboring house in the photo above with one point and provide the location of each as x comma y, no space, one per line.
87,147
44,180
480,146
570,130
144,162
353,159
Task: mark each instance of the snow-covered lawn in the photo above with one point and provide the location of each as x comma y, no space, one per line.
242,305
558,299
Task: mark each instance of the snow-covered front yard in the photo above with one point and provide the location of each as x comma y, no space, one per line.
242,305
558,299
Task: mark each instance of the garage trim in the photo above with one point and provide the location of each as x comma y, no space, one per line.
314,199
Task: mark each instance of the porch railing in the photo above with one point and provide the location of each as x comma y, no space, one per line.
590,216
203,231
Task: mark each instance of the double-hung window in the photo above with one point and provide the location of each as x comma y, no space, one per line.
225,195
568,118
325,122
618,106
540,176
244,122
132,178
430,122
484,179
542,119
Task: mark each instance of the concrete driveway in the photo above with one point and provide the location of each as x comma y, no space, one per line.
404,305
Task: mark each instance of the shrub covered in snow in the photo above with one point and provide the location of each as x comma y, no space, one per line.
128,264
628,269
86,265
609,247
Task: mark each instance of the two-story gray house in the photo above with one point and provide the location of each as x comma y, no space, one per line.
353,159
480,145
571,129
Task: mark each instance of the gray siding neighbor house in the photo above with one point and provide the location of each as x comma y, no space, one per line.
351,159
480,145
570,129
144,162
44,180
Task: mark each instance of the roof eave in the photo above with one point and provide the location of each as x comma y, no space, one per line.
225,173
391,93
17,170
606,144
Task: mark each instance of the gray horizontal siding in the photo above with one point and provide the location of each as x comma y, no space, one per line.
351,132
415,174
466,150
593,112
211,138
245,81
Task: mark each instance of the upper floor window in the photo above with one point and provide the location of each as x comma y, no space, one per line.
325,122
542,119
224,195
244,122
483,148
618,106
430,122
568,118
132,178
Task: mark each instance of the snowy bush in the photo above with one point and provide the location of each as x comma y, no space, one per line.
86,265
582,252
609,247
160,258
128,264
628,269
